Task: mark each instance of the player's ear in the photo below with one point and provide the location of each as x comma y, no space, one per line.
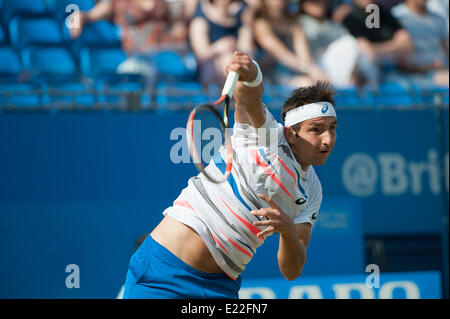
290,134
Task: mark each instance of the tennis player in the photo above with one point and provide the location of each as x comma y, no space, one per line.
212,231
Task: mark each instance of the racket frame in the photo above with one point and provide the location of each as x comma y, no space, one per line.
227,94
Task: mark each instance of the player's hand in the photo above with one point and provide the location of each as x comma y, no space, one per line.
243,65
277,221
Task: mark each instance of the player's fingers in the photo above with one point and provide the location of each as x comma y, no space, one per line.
266,231
263,223
265,212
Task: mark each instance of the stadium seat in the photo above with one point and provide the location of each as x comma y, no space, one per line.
99,34
389,94
27,31
122,92
10,65
50,62
180,95
58,75
13,92
278,94
26,7
171,65
3,36
348,97
115,88
101,62
267,98
18,95
427,96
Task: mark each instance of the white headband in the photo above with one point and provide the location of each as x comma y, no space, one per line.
309,111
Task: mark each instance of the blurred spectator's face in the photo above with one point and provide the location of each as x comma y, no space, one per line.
316,8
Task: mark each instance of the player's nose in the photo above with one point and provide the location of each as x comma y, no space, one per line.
326,140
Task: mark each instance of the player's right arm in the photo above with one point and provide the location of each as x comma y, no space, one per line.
248,106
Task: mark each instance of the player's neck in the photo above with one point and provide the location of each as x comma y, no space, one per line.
303,166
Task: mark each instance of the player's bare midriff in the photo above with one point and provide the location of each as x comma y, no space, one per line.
186,244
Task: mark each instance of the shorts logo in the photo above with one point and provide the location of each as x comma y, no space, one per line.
300,201
314,216
324,108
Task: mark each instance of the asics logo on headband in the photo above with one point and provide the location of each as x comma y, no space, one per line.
309,111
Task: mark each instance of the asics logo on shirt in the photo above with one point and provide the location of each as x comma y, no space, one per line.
300,201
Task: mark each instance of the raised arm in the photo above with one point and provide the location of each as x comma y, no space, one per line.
248,106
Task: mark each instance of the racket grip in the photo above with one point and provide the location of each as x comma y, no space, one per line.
230,84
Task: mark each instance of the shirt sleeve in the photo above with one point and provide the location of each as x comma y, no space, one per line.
247,136
311,212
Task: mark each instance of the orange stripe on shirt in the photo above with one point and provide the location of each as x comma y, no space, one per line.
255,230
286,168
242,250
268,171
184,203
218,243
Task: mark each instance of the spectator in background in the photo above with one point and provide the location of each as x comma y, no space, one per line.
383,44
218,28
146,25
428,63
330,42
439,7
278,33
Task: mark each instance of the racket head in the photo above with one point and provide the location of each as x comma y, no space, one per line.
208,138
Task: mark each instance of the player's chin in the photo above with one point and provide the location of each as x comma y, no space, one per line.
322,158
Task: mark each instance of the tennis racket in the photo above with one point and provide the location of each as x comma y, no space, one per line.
207,132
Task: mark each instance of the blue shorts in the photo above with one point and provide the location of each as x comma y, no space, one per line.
156,273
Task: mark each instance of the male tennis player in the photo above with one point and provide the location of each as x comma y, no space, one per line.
212,231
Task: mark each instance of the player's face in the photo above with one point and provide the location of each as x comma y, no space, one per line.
314,141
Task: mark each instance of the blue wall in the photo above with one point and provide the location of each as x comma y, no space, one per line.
80,187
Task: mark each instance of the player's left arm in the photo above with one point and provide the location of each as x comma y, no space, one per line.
294,238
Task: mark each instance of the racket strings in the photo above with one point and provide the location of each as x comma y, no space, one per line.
208,135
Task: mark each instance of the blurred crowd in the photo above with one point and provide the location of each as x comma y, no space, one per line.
346,42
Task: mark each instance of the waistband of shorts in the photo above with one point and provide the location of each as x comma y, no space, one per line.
159,250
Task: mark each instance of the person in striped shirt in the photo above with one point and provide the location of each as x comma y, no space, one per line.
211,232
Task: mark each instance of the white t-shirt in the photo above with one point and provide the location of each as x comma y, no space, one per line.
220,213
